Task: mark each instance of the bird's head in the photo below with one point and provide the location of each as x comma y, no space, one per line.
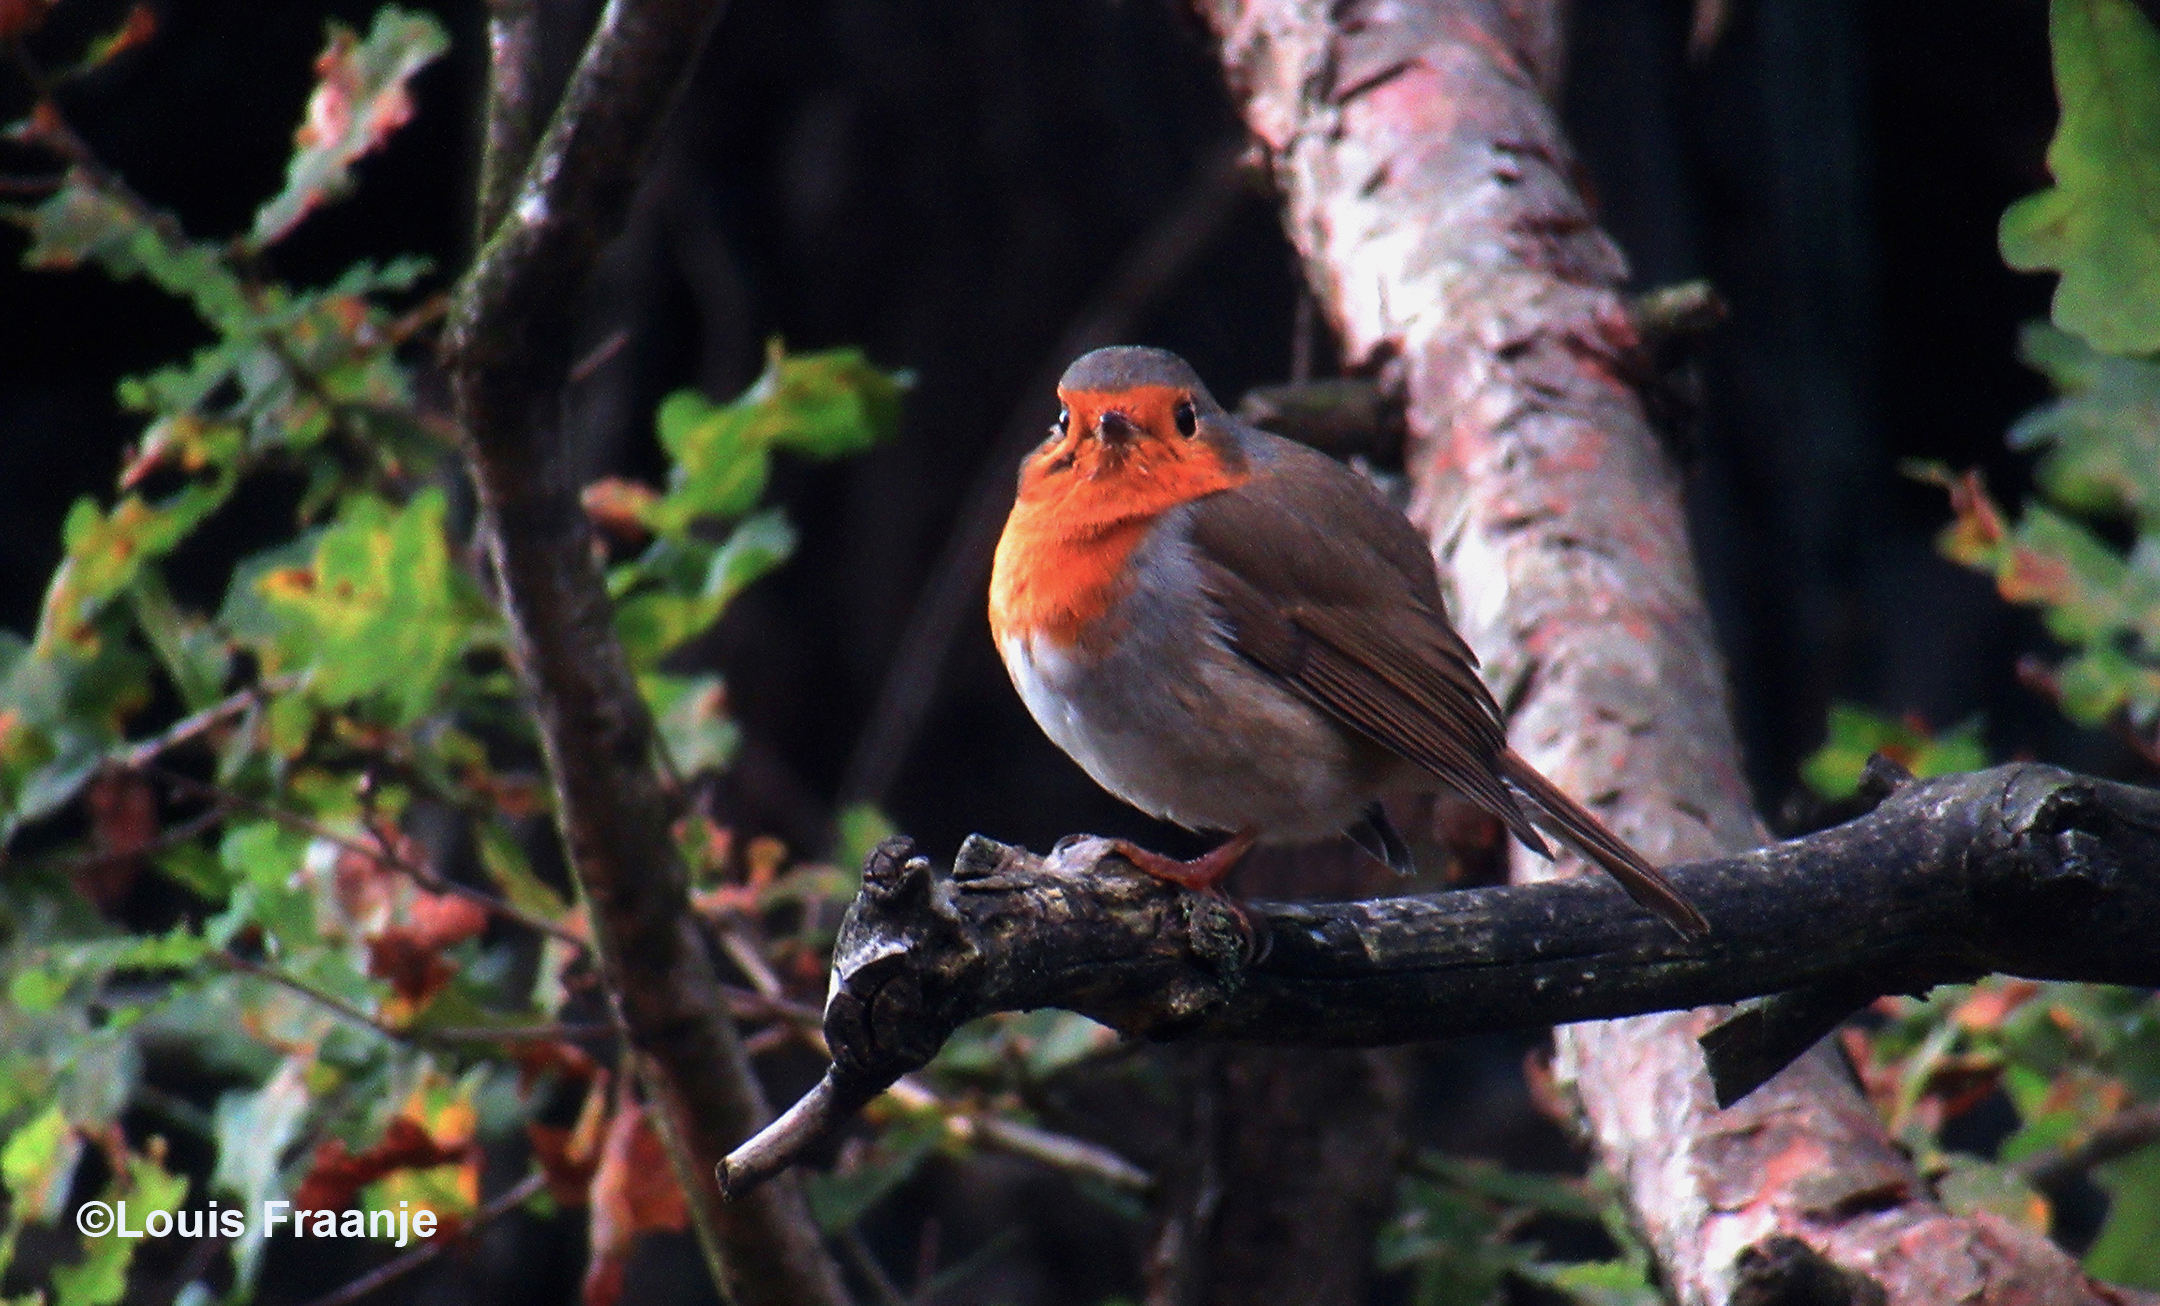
1134,421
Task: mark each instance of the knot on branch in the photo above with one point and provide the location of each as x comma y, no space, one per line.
1783,1271
901,961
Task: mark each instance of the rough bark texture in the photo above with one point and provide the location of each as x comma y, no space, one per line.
1430,193
1273,1200
508,354
2023,869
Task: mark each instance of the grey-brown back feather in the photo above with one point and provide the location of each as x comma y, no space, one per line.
1300,560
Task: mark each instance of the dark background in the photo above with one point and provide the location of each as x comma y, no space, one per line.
946,184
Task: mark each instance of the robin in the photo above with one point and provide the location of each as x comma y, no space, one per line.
1233,632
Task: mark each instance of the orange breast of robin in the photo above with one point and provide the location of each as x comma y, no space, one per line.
1083,508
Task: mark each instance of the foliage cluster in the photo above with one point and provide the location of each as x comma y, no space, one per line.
281,885
2077,1067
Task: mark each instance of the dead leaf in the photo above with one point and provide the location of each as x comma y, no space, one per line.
123,822
569,1157
337,1174
633,1193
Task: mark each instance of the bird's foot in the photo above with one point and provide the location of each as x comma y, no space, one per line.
1203,874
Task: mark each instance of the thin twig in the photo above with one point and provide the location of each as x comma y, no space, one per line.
858,1255
170,837
425,876
392,1270
197,724
449,1034
2129,1130
1074,1156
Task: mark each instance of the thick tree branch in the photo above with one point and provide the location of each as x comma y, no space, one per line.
2023,869
507,351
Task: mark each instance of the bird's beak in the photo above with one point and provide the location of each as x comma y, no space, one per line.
1115,428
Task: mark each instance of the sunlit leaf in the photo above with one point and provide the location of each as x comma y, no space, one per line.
2099,226
1855,733
38,1163
360,97
100,1277
821,405
106,552
380,612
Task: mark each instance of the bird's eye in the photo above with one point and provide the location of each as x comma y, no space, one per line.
1064,420
1187,423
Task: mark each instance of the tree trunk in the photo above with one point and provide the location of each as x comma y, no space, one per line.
1432,198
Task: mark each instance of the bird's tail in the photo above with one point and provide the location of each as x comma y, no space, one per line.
1568,820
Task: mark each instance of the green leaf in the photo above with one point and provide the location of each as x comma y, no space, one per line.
821,405
2099,226
360,99
82,222
1041,1043
1972,1185
265,861
1833,771
380,614
193,652
1528,1189
2102,437
38,1164
1596,1283
691,714
100,1278
682,586
107,551
61,708
862,828
2128,1248
507,866
839,1199
254,1131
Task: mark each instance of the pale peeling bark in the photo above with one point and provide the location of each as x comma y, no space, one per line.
1429,191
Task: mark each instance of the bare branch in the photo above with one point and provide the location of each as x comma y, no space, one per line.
398,1267
508,353
2024,869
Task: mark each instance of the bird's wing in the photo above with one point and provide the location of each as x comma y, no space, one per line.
1320,581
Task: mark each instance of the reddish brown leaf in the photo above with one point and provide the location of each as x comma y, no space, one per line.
1988,1005
337,1173
569,1157
633,1193
22,17
539,1057
444,920
618,507
1979,530
414,968
123,822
